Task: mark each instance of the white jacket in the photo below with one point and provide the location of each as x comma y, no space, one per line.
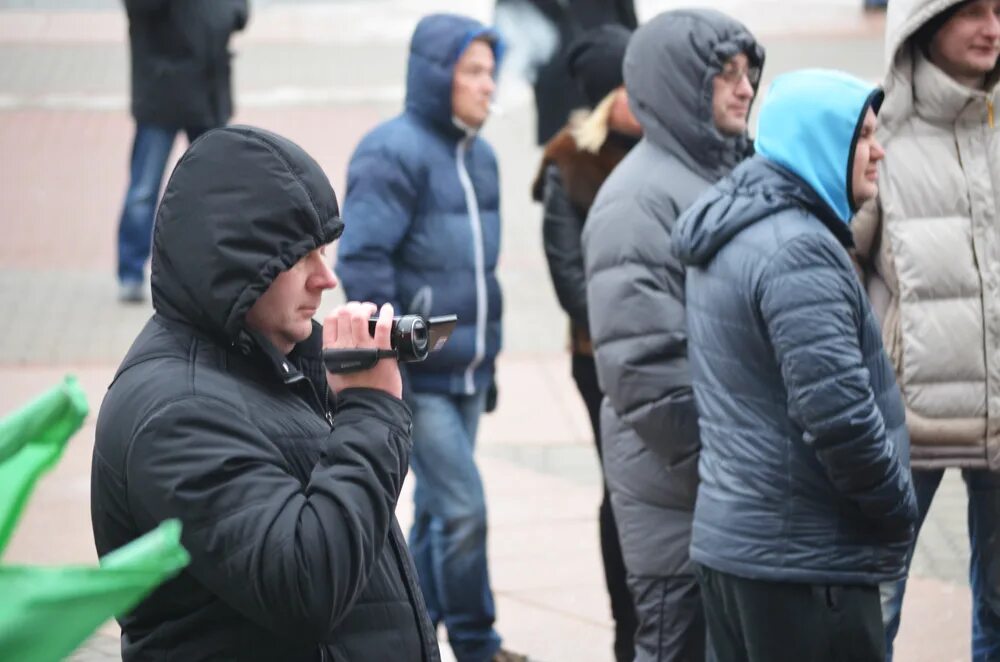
930,248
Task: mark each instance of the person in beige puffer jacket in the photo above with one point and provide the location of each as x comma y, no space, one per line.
929,250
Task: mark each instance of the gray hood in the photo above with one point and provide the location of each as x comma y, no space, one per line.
669,67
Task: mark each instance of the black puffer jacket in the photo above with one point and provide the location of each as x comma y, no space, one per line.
556,93
804,446
287,499
181,60
566,184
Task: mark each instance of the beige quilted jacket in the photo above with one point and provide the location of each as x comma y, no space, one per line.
930,249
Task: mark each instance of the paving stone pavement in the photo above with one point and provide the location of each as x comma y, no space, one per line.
64,134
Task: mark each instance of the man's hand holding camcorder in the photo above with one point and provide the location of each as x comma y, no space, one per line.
346,327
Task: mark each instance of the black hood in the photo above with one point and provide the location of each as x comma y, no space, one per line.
242,205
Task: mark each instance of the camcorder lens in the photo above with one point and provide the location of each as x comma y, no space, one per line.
410,337
419,337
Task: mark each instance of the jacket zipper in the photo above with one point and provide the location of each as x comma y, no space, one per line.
321,406
989,112
478,251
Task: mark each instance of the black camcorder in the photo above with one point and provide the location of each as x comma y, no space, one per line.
412,338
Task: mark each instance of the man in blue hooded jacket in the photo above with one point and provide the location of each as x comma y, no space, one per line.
423,196
805,502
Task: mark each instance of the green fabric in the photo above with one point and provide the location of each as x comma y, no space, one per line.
45,613
32,440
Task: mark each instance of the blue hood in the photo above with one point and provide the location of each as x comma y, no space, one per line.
809,124
437,43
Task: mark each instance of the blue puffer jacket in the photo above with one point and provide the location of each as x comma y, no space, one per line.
422,215
804,460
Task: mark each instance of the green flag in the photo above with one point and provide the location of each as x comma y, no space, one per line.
32,440
45,613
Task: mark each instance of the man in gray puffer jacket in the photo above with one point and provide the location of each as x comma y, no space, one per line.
690,76
805,502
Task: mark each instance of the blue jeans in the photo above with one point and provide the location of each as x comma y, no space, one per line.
448,539
150,151
983,488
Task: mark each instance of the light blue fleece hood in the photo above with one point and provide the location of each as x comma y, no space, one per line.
809,124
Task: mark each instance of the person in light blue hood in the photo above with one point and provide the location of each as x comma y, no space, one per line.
422,231
805,502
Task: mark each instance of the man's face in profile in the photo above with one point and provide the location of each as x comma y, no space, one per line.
284,313
968,44
732,92
473,84
867,153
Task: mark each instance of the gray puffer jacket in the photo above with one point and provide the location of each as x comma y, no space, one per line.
635,286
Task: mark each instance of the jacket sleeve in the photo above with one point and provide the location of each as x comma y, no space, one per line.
291,556
635,295
378,209
811,305
561,228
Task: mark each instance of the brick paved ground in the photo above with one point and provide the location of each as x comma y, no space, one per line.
323,75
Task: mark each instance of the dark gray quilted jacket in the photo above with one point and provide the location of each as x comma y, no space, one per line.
804,450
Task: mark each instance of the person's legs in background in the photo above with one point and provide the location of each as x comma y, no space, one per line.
622,610
453,569
983,488
925,484
420,550
150,150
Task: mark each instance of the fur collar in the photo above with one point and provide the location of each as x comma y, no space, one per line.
582,171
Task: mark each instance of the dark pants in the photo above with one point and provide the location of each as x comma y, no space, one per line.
622,610
448,538
671,619
150,151
760,621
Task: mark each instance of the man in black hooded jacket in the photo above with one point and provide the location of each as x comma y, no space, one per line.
222,415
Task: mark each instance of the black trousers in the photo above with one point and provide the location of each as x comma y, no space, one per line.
759,621
671,619
622,609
